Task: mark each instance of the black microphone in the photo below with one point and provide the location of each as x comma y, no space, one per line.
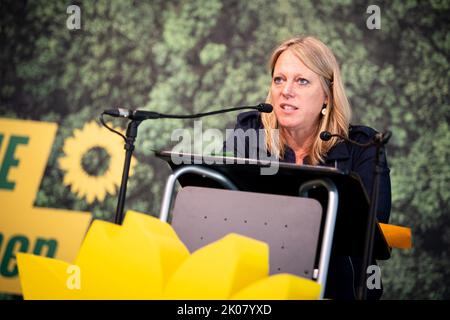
140,115
264,107
325,135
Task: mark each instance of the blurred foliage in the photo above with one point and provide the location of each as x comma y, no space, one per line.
196,56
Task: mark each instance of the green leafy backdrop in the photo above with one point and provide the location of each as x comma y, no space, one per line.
194,56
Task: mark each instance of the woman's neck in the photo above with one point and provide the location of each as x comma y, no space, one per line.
300,141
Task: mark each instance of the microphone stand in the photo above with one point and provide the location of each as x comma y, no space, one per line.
379,141
131,135
136,118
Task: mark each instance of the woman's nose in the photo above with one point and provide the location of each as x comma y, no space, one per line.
288,89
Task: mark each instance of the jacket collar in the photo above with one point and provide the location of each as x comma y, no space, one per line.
338,152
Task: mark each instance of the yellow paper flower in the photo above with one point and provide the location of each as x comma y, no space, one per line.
83,184
144,259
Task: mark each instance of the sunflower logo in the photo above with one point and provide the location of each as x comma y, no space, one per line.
93,162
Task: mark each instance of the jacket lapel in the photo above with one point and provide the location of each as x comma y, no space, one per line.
338,153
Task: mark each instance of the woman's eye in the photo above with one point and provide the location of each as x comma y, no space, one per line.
277,80
302,81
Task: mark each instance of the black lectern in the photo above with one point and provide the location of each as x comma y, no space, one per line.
344,220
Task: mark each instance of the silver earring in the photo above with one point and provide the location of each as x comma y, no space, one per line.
324,110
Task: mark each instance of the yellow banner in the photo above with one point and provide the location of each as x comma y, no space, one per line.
24,150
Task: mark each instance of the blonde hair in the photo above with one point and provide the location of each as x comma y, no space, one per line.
319,58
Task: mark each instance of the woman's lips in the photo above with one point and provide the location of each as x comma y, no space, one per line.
288,108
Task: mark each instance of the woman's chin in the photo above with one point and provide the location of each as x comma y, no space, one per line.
288,123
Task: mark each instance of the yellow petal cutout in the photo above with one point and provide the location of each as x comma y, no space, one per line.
280,287
220,269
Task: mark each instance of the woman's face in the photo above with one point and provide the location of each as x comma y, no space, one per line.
296,93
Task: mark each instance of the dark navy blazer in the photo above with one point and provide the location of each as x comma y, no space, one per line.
344,271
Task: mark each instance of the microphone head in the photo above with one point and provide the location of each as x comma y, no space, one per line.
265,107
325,135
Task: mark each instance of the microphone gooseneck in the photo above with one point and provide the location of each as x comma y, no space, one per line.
141,115
326,136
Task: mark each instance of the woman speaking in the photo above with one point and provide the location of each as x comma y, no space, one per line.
308,97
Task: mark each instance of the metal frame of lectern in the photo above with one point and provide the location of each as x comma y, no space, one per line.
330,218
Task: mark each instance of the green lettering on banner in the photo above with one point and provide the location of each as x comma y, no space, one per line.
9,161
22,244
47,232
49,244
9,255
